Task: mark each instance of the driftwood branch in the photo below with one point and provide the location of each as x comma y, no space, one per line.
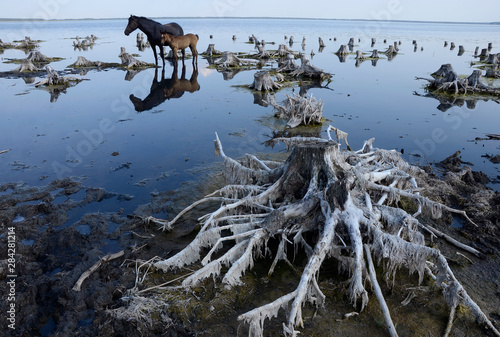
97,265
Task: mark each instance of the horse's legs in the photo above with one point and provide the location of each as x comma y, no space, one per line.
195,54
162,55
154,53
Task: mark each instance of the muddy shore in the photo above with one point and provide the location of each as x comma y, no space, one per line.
51,253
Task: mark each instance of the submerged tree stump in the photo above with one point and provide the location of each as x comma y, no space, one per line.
321,43
391,50
211,51
283,50
342,50
36,56
54,79
447,80
360,55
330,204
26,66
298,110
308,70
492,59
288,65
229,60
262,81
129,61
374,54
83,62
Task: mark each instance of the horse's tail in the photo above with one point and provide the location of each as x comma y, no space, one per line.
197,37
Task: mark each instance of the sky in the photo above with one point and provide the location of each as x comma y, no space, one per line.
419,10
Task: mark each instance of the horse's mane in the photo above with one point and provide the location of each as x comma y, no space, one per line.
146,19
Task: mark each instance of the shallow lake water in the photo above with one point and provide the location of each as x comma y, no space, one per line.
94,130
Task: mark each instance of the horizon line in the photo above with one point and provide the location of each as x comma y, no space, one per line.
254,17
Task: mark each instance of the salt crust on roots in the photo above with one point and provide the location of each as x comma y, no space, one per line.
351,197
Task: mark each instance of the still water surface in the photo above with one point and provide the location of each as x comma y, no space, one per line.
169,142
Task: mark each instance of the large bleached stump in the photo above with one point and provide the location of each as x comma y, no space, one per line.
229,60
26,66
54,79
288,65
329,203
262,81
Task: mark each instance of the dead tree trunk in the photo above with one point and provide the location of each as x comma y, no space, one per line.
288,65
262,52
298,110
128,61
308,70
83,62
262,81
342,50
374,54
446,79
346,201
229,60
360,55
391,50
321,43
26,67
211,51
36,56
54,79
492,59
283,50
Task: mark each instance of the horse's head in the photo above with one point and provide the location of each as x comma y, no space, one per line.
132,24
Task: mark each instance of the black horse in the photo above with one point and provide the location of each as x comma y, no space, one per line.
153,31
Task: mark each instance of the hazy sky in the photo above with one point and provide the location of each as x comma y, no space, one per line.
426,10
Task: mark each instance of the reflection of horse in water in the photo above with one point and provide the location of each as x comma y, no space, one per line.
166,89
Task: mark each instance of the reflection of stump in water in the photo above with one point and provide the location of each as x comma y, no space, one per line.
262,81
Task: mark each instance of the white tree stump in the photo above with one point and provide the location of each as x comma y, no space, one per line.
262,81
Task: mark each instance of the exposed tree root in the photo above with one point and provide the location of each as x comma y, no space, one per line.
447,80
331,203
